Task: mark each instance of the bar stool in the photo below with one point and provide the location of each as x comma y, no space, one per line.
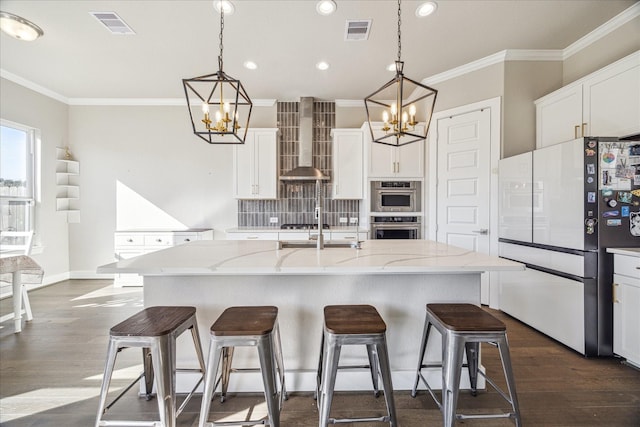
247,327
155,330
353,325
463,327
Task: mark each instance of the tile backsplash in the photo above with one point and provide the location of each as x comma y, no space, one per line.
298,199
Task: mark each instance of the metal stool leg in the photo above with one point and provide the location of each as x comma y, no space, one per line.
266,356
316,394
423,348
213,360
385,371
505,356
227,359
373,367
147,364
453,349
472,350
331,357
112,351
164,373
279,363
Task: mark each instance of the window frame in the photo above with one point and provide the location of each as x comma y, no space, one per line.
33,185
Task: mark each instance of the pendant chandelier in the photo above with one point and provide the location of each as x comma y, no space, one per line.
404,105
218,104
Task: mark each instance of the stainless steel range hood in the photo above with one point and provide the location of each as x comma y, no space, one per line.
305,170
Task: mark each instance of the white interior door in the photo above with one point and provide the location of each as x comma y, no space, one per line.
463,185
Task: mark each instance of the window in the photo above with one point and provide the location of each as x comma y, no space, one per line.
17,177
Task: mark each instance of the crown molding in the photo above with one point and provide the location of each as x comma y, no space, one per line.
614,23
33,86
346,103
153,102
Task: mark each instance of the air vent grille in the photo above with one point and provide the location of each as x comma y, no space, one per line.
113,23
357,29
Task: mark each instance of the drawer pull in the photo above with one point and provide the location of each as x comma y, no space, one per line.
159,240
130,240
187,240
252,237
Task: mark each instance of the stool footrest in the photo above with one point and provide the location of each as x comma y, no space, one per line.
384,419
484,416
236,423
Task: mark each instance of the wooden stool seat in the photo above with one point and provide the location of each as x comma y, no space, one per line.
465,317
153,322
243,321
353,320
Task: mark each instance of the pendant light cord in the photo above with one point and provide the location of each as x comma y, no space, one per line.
221,28
399,33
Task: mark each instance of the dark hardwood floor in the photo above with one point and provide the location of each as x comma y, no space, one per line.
50,374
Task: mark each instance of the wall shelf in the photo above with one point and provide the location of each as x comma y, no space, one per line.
68,185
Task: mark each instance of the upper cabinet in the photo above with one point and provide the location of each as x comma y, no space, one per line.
386,161
348,170
256,165
604,103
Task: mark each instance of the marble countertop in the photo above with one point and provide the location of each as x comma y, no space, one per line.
279,230
241,257
625,251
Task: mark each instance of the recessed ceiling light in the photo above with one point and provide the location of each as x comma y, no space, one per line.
322,66
426,9
229,8
19,28
250,65
326,7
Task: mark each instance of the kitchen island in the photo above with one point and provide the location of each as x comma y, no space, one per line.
398,277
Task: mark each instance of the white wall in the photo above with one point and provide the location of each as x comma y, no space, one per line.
24,106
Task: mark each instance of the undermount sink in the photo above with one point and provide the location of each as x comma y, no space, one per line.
286,244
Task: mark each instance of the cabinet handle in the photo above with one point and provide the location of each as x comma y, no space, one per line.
158,240
252,237
575,131
187,240
615,298
130,240
584,125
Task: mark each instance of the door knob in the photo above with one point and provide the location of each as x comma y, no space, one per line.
483,231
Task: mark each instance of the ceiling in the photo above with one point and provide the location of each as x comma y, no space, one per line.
77,58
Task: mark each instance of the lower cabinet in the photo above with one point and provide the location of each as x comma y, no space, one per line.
551,304
132,243
296,235
626,308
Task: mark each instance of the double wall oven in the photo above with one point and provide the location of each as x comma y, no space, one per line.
396,210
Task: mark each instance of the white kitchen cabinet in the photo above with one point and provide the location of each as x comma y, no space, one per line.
67,182
350,236
604,103
386,161
252,235
626,307
515,183
256,165
132,243
348,170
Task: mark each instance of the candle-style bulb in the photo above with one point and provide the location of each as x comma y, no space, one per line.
412,110
227,107
385,116
218,116
394,109
405,117
205,108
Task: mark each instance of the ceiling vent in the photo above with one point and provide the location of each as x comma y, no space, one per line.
357,29
113,23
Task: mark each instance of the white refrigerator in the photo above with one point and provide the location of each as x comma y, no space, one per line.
583,196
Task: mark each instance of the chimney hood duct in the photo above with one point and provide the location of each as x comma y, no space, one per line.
305,170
